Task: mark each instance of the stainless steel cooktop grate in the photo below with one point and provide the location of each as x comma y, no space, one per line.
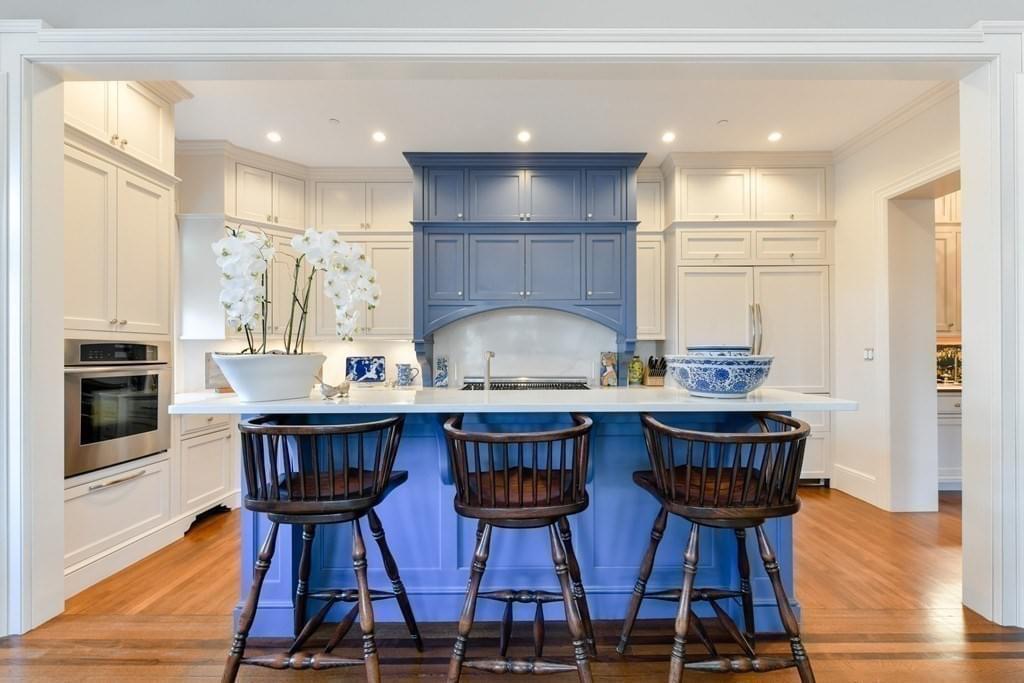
526,383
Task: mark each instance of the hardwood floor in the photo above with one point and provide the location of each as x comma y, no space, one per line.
880,595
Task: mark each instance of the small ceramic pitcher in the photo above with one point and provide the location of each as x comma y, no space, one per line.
406,374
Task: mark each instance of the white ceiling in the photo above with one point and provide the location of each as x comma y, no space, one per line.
476,114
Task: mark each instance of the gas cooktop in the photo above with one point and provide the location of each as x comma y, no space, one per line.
526,383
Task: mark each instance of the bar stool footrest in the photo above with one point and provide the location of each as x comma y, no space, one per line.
349,595
740,664
508,665
301,661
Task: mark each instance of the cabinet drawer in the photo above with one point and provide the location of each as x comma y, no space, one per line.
197,424
715,247
103,513
791,246
949,403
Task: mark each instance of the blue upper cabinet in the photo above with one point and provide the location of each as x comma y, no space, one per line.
497,269
554,267
445,194
605,194
445,266
496,195
605,266
552,195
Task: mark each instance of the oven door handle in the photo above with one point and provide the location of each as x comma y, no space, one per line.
124,369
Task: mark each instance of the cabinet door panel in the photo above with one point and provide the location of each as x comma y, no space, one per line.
605,195
340,206
650,289
92,106
553,267
254,193
389,206
790,194
495,195
90,252
205,473
714,306
715,194
730,247
282,278
289,201
143,253
791,246
553,195
604,266
393,315
496,267
649,207
446,258
446,195
144,123
946,286
794,303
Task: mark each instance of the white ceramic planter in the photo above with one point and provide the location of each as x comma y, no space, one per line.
271,376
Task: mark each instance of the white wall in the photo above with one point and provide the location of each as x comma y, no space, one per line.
862,452
913,399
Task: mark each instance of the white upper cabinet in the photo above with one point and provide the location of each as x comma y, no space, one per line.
117,249
947,208
392,317
375,206
650,287
649,206
269,197
125,114
790,194
712,194
947,281
714,306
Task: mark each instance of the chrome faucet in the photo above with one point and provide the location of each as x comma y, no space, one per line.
488,355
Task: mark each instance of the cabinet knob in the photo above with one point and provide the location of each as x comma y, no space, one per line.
459,292
950,325
124,142
113,321
527,216
458,215
210,419
957,404
522,293
590,215
114,139
122,322
590,292
270,219
716,216
792,216
275,219
792,254
527,292
522,216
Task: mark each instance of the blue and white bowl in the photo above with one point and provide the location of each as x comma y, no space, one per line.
718,351
718,376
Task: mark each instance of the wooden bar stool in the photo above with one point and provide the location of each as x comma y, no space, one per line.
731,481
310,476
523,481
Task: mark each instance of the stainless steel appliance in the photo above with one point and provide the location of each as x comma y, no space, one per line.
525,383
116,396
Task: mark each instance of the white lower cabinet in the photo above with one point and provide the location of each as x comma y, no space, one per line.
818,450
205,470
101,514
950,436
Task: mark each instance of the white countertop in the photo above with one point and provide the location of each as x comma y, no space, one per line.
430,400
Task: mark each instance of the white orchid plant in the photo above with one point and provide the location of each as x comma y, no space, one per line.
244,259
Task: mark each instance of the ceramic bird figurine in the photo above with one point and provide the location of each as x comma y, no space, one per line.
332,391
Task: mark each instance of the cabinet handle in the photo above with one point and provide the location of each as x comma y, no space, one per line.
522,216
113,139
527,216
210,419
270,219
957,404
792,216
716,216
950,325
458,215
716,255
275,219
792,254
113,482
113,321
122,322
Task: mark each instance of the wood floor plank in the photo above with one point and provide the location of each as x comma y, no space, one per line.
881,602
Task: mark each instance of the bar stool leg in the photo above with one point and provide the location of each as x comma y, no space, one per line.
771,566
657,532
748,597
391,567
565,533
572,616
370,658
302,586
248,615
476,573
678,661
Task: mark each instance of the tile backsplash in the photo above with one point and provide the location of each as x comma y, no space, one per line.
949,364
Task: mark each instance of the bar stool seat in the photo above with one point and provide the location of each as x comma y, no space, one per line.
526,480
312,475
732,481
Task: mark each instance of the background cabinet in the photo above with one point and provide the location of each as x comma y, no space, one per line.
605,199
496,195
445,266
650,287
269,197
604,266
790,194
947,281
711,194
353,206
446,194
553,267
497,267
649,209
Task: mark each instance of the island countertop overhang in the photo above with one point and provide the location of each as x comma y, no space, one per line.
430,400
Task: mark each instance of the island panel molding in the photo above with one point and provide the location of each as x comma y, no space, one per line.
573,247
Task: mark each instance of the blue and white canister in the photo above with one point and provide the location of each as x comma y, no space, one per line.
441,371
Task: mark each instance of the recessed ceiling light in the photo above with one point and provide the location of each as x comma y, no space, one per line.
774,136
524,136
274,136
378,136
333,121
669,136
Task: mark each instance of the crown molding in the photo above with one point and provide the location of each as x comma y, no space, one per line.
896,119
172,91
22,25
511,35
744,159
236,153
1000,26
649,173
382,174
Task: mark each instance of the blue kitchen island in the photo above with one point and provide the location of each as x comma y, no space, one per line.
434,547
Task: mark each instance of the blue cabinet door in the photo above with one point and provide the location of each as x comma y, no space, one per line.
446,267
446,194
554,268
497,267
604,266
553,194
605,194
495,195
